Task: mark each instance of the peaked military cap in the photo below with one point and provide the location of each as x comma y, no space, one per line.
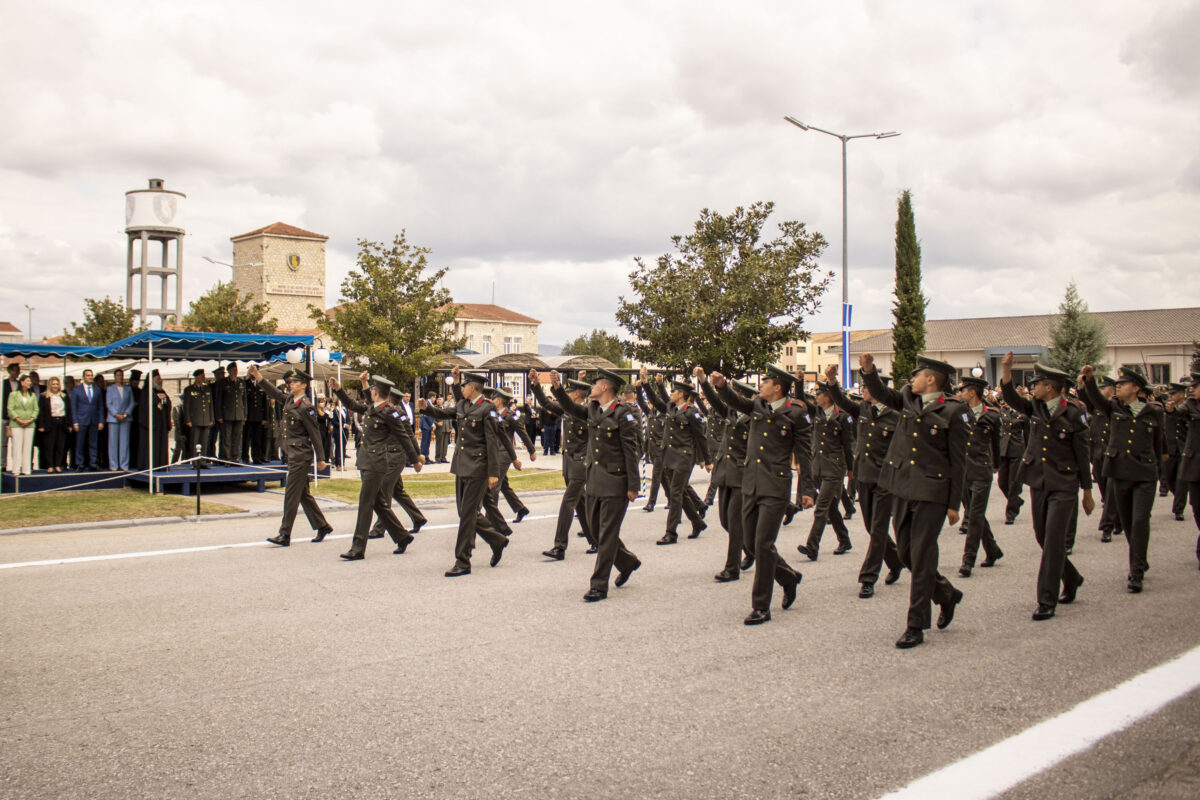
616,380
578,386
1042,372
1106,381
1130,375
974,383
298,375
783,378
924,362
198,373
822,387
684,387
744,388
473,377
381,383
505,393
489,392
397,391
1177,387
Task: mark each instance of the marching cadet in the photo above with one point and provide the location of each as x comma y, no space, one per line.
833,455
1013,428
1176,436
475,467
684,444
876,425
1135,452
780,435
299,439
655,423
510,425
714,430
386,439
574,467
229,405
613,476
1055,467
399,456
196,414
729,459
1098,425
982,457
924,473
1189,461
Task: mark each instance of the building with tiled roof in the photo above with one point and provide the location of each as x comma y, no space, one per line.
283,266
10,333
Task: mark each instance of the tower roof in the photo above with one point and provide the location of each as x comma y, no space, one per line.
281,229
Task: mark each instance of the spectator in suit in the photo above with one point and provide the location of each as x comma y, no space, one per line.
87,420
340,425
22,408
69,384
118,401
428,425
54,418
7,388
549,422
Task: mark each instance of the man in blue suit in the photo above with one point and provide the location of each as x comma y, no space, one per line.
428,423
87,420
118,399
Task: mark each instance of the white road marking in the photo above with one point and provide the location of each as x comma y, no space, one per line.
1006,764
52,562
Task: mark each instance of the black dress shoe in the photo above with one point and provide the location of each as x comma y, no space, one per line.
402,545
1106,536
699,526
789,515
1043,612
892,576
962,530
867,591
1163,492
457,571
497,553
849,514
592,549
804,549
283,540
725,576
747,562
623,575
668,538
964,571
555,553
522,514
911,638
1134,585
990,561
594,594
580,534
845,547
1008,520
321,534
648,507
1069,590
375,535
353,556
789,593
1179,517
947,614
757,617
417,526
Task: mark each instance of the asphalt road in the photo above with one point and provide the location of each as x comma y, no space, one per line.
265,672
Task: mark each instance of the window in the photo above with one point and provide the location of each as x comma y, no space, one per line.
818,349
487,345
470,342
508,344
787,351
802,348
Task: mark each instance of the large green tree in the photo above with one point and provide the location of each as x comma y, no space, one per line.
726,298
393,318
104,321
1077,337
908,310
598,343
222,310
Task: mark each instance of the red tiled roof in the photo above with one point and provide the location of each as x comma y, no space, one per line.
281,229
8,327
475,311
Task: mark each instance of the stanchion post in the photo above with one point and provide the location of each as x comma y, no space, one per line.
197,463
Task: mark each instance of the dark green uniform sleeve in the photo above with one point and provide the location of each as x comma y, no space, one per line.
802,453
308,416
631,449
884,394
1014,400
734,400
569,405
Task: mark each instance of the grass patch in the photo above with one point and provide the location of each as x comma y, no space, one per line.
97,505
441,484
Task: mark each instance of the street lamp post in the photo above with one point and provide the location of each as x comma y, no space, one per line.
29,325
846,307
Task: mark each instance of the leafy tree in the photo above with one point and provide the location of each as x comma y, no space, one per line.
725,299
393,319
908,311
598,343
222,310
1076,336
104,321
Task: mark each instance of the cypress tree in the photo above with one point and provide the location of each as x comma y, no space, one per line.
1077,337
908,311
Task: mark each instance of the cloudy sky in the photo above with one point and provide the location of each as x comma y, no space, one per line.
540,146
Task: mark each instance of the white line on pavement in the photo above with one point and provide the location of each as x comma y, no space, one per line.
51,562
1006,764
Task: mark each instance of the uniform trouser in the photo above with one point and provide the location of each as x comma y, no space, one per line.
1170,469
441,439
1006,479
1181,492
296,494
848,497
375,497
761,518
491,508
1193,490
825,511
1134,501
1073,527
729,508
468,495
197,435
510,496
682,501
876,505
118,444
1051,521
404,501
574,503
605,515
655,480
231,439
978,528
180,449
918,524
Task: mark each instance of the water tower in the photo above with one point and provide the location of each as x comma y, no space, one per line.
154,215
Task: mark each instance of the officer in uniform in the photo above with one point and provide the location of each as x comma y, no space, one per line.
299,439
475,467
1176,436
574,466
229,402
1013,428
399,456
511,425
833,454
714,429
983,456
655,423
924,472
1135,451
876,425
254,432
196,414
1189,460
386,439
729,459
684,443
613,477
212,449
1098,425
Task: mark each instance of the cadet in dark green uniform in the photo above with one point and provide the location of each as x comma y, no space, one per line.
983,457
729,459
833,456
229,405
1189,461
510,425
924,472
780,434
196,414
1013,428
299,439
1098,425
684,444
1135,452
574,466
399,456
613,478
1176,435
476,467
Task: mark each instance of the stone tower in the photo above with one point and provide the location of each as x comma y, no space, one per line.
283,266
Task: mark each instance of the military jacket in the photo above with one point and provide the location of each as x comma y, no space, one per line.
613,452
1189,463
229,399
1013,428
874,435
1057,456
1175,432
387,437
655,422
478,437
575,439
256,401
983,444
513,423
729,457
298,436
777,438
196,406
833,444
684,443
1135,444
926,460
